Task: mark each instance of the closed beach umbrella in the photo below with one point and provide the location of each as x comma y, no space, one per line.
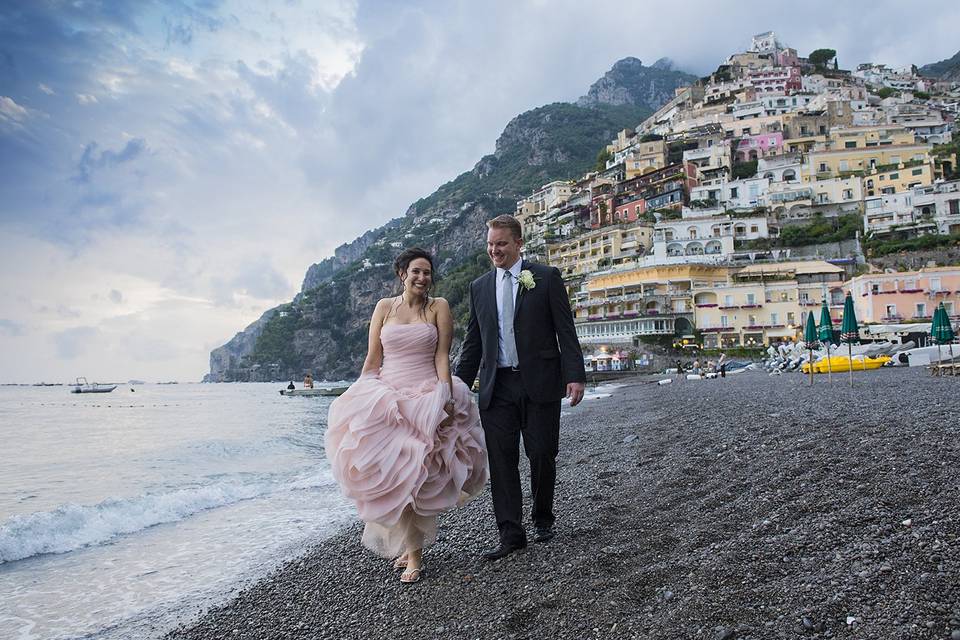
810,337
826,335
942,331
849,331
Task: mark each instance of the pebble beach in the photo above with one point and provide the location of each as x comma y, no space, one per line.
753,506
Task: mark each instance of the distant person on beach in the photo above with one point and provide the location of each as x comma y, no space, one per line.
522,341
308,381
722,363
404,441
679,370
291,386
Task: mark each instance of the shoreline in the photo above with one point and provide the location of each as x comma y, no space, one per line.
790,512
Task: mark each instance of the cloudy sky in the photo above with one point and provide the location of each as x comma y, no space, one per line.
169,169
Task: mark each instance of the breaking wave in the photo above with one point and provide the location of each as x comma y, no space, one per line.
72,527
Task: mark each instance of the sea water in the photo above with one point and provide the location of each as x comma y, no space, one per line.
121,513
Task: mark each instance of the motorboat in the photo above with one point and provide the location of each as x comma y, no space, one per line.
323,391
841,363
82,386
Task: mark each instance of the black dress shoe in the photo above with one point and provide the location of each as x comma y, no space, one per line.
502,551
543,534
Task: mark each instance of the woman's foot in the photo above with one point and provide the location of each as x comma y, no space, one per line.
400,562
413,561
411,575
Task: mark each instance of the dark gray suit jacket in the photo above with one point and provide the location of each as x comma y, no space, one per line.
547,344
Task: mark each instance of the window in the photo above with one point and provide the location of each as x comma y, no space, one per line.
751,298
844,165
850,144
916,172
953,206
948,307
774,318
791,317
934,284
751,321
921,310
754,228
891,311
848,194
874,287
894,176
823,167
728,301
733,192
724,321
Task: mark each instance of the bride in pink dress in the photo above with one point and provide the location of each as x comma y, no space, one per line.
404,441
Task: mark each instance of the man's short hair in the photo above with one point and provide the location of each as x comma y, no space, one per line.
507,221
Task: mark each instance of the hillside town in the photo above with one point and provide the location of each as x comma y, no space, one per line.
755,195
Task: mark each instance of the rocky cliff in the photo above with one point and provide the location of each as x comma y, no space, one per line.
947,70
324,329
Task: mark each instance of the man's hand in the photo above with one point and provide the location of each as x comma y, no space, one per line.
575,393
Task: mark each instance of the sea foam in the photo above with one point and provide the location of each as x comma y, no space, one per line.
71,526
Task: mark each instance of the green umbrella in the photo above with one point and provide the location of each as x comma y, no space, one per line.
849,331
826,335
941,331
810,337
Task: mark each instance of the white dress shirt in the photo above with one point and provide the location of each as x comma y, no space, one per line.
515,272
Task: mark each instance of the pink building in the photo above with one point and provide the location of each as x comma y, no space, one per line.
906,296
760,146
630,210
776,79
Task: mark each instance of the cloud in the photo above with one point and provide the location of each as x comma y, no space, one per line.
197,157
10,110
75,342
91,160
10,328
115,296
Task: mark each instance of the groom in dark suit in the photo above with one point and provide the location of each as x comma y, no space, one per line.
522,339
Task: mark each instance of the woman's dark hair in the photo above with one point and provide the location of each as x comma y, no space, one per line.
402,262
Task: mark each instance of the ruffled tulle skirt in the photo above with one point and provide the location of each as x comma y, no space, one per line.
401,469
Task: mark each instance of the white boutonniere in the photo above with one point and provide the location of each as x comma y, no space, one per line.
526,279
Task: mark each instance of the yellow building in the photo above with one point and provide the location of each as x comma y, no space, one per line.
833,163
645,157
764,303
609,246
903,177
612,308
872,136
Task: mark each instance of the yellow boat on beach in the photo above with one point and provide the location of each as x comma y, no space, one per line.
842,364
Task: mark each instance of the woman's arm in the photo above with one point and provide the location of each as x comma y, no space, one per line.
374,359
441,360
444,321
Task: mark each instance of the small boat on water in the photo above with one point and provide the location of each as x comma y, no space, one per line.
328,391
82,386
842,364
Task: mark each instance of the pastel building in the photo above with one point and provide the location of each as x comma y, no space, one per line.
906,296
614,308
765,303
939,203
600,248
759,146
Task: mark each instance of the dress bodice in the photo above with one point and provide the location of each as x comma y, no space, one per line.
408,353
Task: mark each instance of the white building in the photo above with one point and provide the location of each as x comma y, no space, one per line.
941,202
881,214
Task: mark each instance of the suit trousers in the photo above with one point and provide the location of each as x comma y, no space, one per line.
511,414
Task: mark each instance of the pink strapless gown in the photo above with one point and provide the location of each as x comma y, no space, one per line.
388,453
